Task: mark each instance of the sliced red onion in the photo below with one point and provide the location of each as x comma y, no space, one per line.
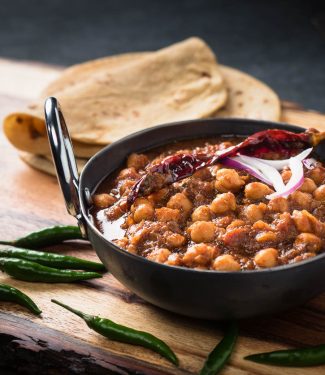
226,150
280,164
310,163
296,179
237,164
267,171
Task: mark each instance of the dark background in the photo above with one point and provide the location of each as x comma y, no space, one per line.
279,42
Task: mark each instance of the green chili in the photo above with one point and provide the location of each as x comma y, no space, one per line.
51,259
121,333
221,353
46,237
313,356
31,271
10,294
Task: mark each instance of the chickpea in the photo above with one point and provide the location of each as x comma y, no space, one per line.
236,237
302,200
261,225
228,180
286,175
117,210
138,202
158,196
202,231
143,212
199,255
319,193
201,213
175,240
308,186
318,175
304,256
301,220
181,202
223,221
166,214
159,255
279,204
255,212
174,259
126,186
137,161
128,222
128,173
308,241
306,222
267,257
257,190
226,262
235,224
123,242
223,203
132,249
103,200
266,237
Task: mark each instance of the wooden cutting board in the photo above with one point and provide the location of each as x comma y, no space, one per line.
60,342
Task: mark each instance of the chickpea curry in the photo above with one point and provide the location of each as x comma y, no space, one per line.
239,212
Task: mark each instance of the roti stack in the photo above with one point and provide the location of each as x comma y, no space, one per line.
106,99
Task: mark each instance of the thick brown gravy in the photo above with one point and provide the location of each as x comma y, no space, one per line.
217,219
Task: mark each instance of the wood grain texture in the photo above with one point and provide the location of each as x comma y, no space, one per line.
60,342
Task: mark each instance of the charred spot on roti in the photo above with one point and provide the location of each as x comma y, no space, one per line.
206,74
34,133
19,120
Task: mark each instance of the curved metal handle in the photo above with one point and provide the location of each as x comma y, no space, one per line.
63,158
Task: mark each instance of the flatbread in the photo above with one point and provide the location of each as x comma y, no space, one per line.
75,74
28,133
176,83
248,97
45,164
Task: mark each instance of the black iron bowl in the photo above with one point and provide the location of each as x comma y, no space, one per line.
195,293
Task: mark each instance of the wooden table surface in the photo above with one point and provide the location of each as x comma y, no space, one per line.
60,342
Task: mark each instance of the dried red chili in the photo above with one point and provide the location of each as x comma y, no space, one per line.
272,143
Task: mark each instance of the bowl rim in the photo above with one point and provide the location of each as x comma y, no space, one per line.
259,271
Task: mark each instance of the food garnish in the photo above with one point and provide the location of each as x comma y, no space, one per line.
267,171
46,237
10,294
30,271
273,142
310,163
312,356
222,352
122,333
51,259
